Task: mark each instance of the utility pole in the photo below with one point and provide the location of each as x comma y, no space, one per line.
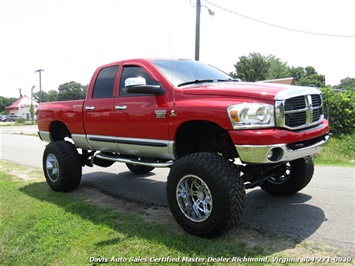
40,84
32,111
197,32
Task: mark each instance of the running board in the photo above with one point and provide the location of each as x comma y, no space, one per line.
121,159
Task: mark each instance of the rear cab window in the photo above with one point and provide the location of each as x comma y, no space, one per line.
105,81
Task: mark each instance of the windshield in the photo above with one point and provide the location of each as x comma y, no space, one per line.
185,72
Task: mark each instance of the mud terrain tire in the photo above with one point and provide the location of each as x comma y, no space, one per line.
139,169
298,174
62,166
205,194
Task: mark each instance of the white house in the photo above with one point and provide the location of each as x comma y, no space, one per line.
21,107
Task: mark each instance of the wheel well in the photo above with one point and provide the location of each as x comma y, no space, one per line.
59,131
203,136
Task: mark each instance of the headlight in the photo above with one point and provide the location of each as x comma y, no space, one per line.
251,115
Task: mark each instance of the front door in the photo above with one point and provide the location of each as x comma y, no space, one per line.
141,120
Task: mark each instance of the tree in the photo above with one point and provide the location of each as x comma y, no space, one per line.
44,96
307,76
278,69
256,67
346,84
52,96
68,91
32,112
71,91
5,102
253,67
297,72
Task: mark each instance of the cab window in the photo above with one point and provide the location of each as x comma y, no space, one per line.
104,83
134,75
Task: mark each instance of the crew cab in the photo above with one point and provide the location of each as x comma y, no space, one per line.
218,136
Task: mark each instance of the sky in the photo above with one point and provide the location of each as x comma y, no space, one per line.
70,39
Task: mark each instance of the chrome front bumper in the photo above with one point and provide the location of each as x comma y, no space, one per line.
278,152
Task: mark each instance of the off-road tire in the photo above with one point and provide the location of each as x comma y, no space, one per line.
102,162
62,166
298,174
139,169
220,179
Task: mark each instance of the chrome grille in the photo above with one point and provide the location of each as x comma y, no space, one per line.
295,103
300,111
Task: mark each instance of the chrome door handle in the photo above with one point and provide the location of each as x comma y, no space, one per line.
121,107
90,108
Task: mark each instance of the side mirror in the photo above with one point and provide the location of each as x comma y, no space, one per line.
134,81
146,89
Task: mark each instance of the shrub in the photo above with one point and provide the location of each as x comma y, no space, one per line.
339,108
20,121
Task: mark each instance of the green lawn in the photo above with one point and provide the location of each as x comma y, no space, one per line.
42,227
338,152
48,228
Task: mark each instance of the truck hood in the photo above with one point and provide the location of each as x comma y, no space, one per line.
264,91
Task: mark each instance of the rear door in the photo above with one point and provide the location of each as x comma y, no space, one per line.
99,111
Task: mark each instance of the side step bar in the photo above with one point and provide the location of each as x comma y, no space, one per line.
121,159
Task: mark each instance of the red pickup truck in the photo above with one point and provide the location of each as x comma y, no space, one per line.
218,135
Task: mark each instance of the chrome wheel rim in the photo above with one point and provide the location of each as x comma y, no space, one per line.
194,198
52,167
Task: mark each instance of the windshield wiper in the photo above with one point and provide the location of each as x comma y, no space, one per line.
206,80
195,82
228,80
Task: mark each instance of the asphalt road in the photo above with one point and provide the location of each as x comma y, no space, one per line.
323,212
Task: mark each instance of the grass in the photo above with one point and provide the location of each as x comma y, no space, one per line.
42,227
62,229
339,151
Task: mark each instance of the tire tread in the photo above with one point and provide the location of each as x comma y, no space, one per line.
226,182
69,161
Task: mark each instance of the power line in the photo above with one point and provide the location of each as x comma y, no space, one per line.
278,26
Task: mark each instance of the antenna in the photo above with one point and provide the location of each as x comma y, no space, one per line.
172,73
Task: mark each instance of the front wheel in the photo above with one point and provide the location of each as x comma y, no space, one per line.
205,194
62,166
296,176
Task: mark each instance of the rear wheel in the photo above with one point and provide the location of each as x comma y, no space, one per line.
139,169
296,176
62,166
206,194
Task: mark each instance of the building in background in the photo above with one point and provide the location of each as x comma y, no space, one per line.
287,81
21,107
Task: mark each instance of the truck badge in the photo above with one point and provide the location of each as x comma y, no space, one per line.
160,113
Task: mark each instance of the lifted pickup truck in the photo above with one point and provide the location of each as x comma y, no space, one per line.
218,135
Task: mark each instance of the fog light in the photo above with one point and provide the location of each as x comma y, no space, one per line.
275,154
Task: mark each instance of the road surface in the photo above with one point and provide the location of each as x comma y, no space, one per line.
323,212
